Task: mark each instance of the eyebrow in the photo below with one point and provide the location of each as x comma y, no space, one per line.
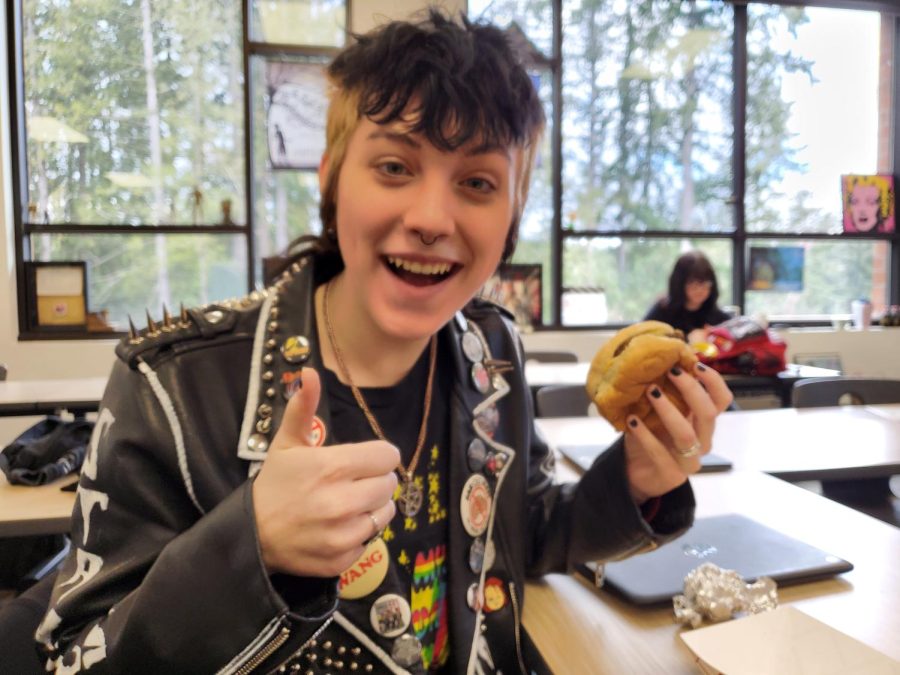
407,139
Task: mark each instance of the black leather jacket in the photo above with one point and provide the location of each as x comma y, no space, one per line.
166,575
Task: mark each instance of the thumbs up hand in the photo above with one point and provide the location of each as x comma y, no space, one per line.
316,506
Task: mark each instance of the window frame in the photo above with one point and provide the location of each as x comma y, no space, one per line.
24,230
739,235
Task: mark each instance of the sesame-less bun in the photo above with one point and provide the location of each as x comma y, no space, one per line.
628,363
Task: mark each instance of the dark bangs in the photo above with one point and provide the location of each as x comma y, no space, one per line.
466,81
700,269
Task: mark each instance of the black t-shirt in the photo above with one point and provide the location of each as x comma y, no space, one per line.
685,320
417,545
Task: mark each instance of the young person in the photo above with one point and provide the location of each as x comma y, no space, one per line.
691,305
342,472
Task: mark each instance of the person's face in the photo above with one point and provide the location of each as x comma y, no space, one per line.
696,292
864,207
394,190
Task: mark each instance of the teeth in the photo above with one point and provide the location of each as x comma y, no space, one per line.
420,268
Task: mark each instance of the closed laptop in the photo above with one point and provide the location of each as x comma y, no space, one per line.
730,541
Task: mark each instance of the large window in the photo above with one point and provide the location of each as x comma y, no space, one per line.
724,127
146,143
172,146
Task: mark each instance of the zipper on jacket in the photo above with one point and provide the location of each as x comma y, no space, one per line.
267,650
276,642
515,604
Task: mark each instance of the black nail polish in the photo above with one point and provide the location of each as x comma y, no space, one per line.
701,367
655,392
675,370
632,424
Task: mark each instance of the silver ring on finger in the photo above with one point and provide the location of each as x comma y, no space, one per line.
377,529
692,451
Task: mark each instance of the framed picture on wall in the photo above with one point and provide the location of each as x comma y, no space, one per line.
56,295
518,288
295,115
775,268
868,203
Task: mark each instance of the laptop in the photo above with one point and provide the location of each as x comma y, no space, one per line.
584,455
730,541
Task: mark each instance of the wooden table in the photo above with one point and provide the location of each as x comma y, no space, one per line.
26,510
45,397
789,443
542,374
582,630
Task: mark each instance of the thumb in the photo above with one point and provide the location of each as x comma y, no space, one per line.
296,424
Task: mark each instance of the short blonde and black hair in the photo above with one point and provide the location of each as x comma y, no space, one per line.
465,82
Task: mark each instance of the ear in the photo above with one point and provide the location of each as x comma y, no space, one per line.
323,173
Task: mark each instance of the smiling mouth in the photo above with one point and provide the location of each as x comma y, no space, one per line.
418,273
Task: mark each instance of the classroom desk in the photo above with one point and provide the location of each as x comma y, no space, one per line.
582,630
542,374
28,511
45,397
789,443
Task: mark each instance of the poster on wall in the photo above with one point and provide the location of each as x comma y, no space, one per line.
518,288
56,295
868,203
295,115
776,268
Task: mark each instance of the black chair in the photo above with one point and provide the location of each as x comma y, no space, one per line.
828,391
562,400
551,357
870,495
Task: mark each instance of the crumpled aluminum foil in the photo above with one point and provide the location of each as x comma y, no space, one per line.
719,594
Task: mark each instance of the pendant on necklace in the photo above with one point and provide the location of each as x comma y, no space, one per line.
410,499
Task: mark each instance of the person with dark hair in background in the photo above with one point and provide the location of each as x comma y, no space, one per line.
690,305
342,473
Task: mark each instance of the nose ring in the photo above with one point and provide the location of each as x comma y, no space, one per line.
428,242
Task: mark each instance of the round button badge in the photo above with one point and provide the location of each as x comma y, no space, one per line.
476,455
475,504
390,615
318,432
480,377
295,349
471,347
476,555
366,573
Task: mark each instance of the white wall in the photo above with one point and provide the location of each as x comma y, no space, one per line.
87,358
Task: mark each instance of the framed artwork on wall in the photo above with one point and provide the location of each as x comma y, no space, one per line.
295,114
56,294
868,203
775,268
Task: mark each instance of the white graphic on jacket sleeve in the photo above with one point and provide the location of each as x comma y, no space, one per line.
93,651
61,668
94,647
48,625
484,662
87,565
87,499
104,421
